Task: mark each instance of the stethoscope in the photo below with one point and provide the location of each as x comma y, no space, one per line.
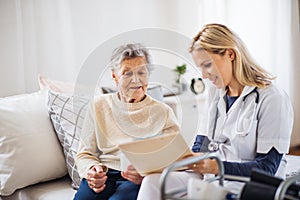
214,145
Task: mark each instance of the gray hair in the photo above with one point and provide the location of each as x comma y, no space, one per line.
129,51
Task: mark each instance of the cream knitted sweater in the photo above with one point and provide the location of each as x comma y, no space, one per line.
109,122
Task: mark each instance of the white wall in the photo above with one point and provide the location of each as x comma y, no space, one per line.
54,37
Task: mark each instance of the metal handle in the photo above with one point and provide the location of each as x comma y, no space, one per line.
284,185
186,162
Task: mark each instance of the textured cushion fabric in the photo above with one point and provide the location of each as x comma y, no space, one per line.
67,114
30,151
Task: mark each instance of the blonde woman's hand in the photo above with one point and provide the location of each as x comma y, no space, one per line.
207,166
96,178
132,175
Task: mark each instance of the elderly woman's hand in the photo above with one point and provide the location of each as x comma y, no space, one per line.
96,178
207,166
132,175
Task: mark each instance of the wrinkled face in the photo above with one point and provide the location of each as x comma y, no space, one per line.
132,79
216,68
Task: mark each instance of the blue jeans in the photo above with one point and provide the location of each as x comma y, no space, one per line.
117,188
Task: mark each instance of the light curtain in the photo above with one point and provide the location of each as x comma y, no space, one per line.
270,29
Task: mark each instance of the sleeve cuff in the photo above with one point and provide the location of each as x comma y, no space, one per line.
280,145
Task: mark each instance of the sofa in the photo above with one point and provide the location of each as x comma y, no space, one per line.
39,135
38,141
30,150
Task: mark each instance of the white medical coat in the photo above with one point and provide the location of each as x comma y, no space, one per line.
271,127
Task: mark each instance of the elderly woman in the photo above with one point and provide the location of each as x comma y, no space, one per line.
116,118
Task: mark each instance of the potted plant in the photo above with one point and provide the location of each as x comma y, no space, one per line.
180,69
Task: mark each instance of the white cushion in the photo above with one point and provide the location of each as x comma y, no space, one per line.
58,189
30,151
66,87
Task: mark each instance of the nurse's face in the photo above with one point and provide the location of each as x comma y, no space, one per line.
216,68
131,79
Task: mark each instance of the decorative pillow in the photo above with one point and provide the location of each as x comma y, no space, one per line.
67,114
64,87
106,90
30,151
54,85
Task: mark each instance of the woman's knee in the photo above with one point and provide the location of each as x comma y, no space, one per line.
150,188
152,179
84,192
126,190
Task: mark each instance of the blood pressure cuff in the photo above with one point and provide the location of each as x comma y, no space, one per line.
201,144
263,187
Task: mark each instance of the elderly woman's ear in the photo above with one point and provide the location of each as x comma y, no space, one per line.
115,78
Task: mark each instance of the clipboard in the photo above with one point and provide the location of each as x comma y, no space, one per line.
154,154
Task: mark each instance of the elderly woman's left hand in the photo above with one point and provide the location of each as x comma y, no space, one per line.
132,175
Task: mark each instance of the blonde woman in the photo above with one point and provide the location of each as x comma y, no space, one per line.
249,120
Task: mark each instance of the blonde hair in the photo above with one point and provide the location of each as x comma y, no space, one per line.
217,38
